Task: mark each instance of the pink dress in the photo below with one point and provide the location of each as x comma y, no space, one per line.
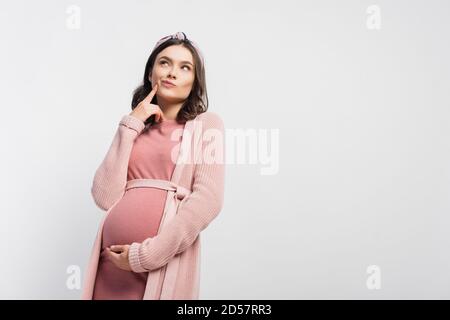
138,214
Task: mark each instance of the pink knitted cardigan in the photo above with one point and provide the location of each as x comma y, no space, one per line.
177,245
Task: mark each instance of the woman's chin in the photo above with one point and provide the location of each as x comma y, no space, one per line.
168,97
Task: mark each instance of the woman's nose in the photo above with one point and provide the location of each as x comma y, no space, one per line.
171,74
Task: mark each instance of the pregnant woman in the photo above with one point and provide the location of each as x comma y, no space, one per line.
148,244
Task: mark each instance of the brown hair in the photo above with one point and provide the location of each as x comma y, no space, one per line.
197,101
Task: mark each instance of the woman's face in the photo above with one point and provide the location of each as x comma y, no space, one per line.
174,64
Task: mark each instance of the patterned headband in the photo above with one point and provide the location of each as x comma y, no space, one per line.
180,36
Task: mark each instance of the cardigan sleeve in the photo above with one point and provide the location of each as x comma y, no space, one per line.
111,176
195,213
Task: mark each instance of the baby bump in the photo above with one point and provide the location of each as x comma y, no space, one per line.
135,217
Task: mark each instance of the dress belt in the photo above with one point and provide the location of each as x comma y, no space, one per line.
180,192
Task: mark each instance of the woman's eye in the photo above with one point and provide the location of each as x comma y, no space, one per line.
189,68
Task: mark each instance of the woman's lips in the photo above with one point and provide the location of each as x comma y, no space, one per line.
168,85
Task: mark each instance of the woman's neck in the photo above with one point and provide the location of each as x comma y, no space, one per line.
170,110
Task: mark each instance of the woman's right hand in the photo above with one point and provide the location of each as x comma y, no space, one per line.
146,109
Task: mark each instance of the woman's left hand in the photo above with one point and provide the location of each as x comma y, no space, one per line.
118,254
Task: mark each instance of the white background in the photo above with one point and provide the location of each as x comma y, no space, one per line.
363,120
